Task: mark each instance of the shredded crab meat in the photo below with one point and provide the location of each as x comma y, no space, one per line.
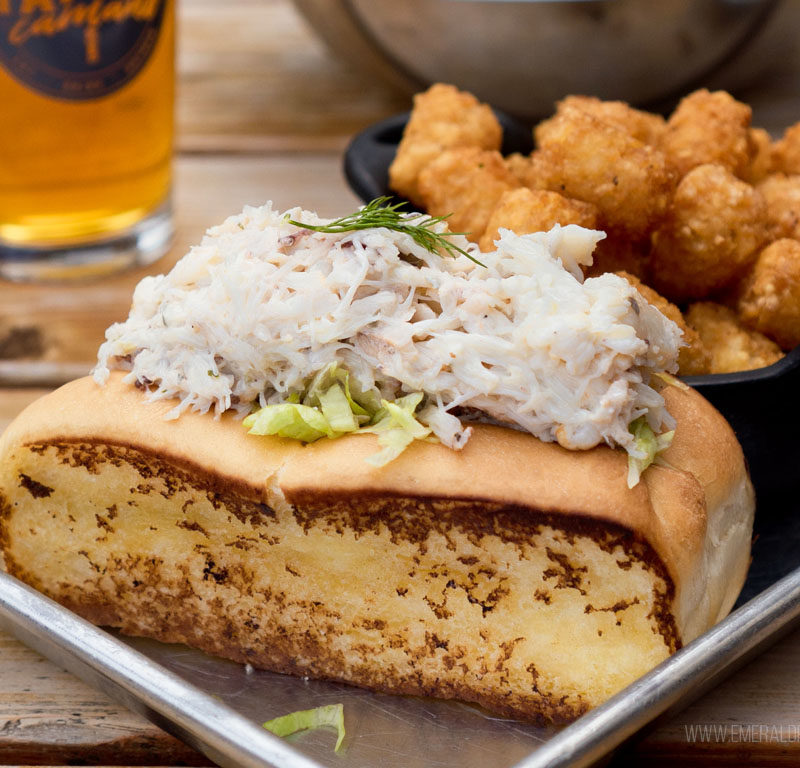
261,305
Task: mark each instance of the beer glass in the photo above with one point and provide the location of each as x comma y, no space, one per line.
86,126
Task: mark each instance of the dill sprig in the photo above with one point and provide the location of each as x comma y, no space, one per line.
381,212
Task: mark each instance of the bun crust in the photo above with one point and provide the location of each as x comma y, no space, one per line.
472,574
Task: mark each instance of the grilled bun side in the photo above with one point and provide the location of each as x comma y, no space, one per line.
514,574
705,451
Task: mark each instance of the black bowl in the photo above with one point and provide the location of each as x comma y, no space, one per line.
762,408
760,405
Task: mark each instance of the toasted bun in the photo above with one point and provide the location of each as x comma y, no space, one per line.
514,573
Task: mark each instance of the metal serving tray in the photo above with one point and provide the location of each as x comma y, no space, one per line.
218,706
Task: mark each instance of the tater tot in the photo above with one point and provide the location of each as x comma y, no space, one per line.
786,151
770,294
520,166
525,210
465,184
709,127
588,159
761,156
732,346
442,118
617,252
716,224
782,196
647,127
533,171
693,359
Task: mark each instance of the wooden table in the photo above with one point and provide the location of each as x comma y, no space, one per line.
264,112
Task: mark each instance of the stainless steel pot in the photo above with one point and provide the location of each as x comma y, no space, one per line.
523,55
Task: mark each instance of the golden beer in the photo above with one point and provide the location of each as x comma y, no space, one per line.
86,125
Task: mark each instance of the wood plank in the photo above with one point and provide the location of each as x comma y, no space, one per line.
49,716
12,401
751,718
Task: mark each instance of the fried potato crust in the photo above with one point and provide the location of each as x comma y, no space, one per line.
465,184
522,168
618,252
716,225
761,156
709,127
786,151
588,159
525,210
647,127
732,346
782,196
770,294
443,118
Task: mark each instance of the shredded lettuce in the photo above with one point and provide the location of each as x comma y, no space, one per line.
364,405
647,445
295,420
672,380
332,406
396,428
330,715
337,410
